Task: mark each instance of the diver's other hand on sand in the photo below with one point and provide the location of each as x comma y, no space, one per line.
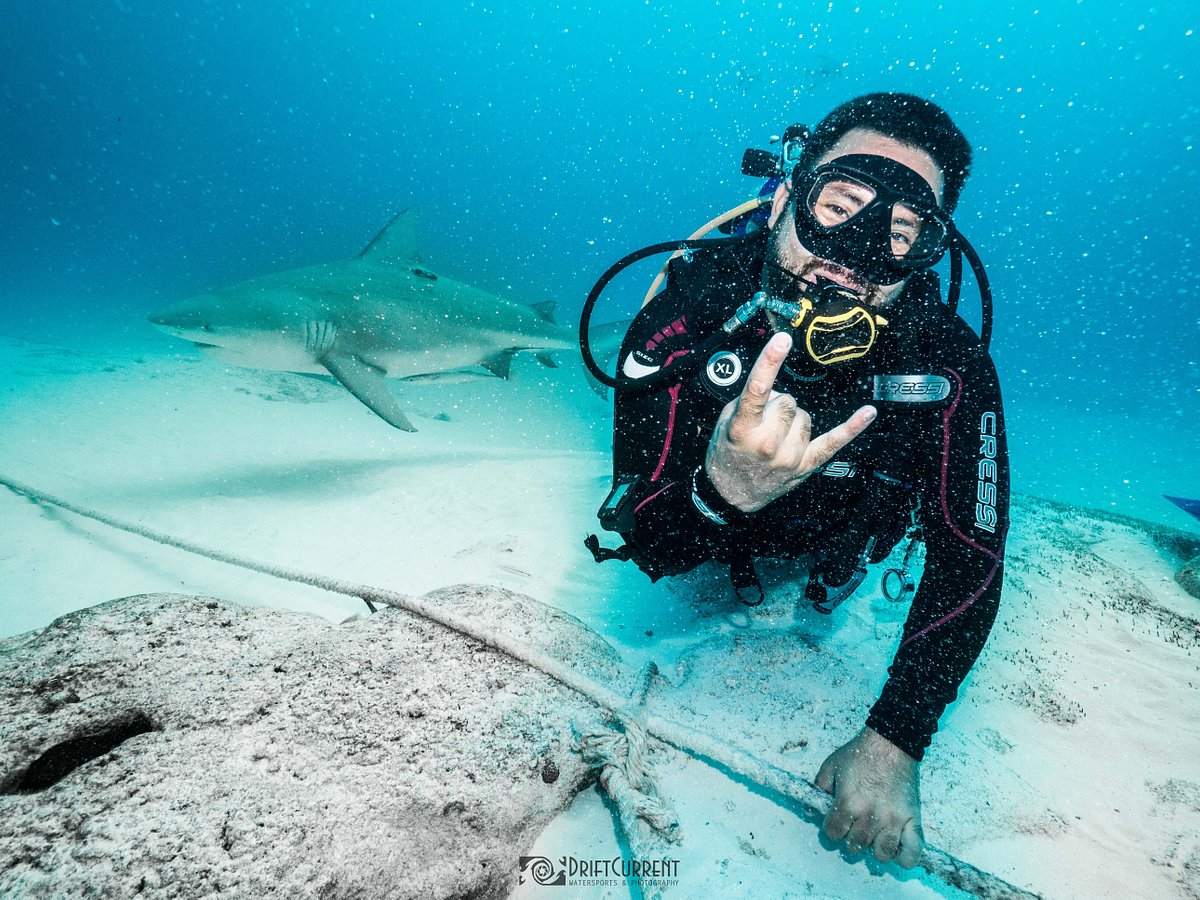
761,447
876,799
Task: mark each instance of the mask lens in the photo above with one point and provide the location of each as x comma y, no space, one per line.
907,226
836,198
916,236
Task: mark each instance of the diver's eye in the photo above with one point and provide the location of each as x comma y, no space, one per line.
837,200
906,227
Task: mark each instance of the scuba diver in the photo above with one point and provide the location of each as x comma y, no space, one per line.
803,391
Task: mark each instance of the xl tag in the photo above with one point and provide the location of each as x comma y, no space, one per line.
723,374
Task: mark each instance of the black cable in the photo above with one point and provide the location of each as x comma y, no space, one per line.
956,269
959,247
985,291
585,318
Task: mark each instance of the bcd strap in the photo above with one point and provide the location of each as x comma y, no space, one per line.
603,554
877,526
745,580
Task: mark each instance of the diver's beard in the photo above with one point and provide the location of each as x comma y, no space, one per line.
787,276
780,282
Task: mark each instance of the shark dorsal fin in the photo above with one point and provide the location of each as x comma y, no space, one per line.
397,242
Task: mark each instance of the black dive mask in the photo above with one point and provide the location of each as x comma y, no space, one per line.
872,215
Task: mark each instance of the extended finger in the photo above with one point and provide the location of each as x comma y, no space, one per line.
757,391
822,449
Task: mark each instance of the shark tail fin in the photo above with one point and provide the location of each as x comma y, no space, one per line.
397,241
600,390
605,341
366,383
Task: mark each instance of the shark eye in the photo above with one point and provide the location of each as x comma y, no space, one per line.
206,327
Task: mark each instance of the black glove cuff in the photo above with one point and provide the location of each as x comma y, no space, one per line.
709,503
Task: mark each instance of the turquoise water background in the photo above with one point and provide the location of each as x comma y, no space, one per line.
153,150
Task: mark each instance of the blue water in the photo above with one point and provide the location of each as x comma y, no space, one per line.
155,149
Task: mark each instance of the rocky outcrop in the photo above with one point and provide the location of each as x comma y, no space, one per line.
1188,577
177,746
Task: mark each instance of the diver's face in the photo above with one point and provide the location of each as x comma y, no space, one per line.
787,251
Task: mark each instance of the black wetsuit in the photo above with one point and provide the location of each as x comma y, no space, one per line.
949,452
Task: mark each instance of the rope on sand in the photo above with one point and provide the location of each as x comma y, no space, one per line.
812,800
647,820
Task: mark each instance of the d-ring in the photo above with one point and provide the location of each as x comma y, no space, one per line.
897,585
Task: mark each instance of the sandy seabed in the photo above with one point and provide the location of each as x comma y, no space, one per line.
1068,767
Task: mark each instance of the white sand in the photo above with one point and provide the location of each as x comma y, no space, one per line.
1070,767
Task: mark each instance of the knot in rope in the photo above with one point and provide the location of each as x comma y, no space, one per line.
621,758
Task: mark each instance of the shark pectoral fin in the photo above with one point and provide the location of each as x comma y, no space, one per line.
366,383
319,337
499,364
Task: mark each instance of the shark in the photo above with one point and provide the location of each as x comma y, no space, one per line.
381,314
1192,507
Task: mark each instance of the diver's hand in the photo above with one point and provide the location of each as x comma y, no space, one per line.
761,447
876,799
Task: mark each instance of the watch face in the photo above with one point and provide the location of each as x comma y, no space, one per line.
723,374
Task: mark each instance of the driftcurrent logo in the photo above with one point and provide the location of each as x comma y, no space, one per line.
541,870
615,872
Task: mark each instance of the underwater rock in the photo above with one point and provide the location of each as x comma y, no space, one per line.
181,746
1189,577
